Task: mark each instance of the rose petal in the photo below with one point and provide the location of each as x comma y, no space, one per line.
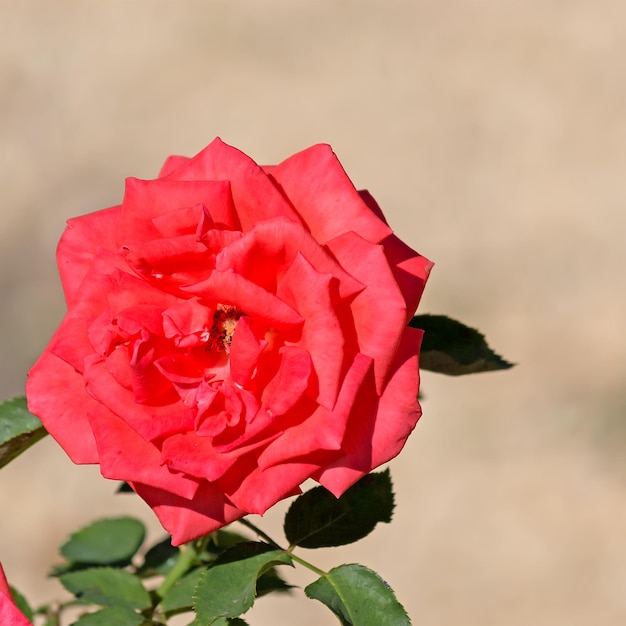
255,490
322,429
230,288
379,311
125,455
57,396
145,200
264,254
291,381
10,615
181,260
150,421
253,193
189,519
172,163
377,430
84,239
311,294
318,187
245,350
410,270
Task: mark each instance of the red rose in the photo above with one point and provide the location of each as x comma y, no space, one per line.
10,615
233,330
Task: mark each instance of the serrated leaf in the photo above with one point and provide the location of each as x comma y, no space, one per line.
317,519
159,559
107,587
228,588
180,596
451,348
105,542
19,429
358,597
110,616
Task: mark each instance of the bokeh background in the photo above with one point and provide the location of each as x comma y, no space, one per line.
493,134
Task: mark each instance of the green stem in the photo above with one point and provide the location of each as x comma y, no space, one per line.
260,533
317,570
187,555
289,551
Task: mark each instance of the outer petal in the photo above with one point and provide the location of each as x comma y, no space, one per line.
10,615
81,243
378,431
379,311
172,163
255,196
185,519
410,270
262,488
318,187
56,394
124,455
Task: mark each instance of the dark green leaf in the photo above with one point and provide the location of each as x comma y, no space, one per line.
159,559
111,616
21,603
19,429
124,487
105,542
222,540
452,348
358,597
228,588
318,520
180,596
271,582
107,587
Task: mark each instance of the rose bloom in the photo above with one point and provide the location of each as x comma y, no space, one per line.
233,330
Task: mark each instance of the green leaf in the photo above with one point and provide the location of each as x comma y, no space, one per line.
22,603
222,540
107,587
19,429
111,616
358,597
159,559
228,588
271,582
180,596
317,519
452,348
105,542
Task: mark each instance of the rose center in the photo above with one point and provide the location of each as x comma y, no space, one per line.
220,335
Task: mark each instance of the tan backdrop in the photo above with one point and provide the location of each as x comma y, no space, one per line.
493,133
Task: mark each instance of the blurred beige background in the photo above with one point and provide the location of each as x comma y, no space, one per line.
493,134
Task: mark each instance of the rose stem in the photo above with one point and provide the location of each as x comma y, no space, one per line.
289,551
187,555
